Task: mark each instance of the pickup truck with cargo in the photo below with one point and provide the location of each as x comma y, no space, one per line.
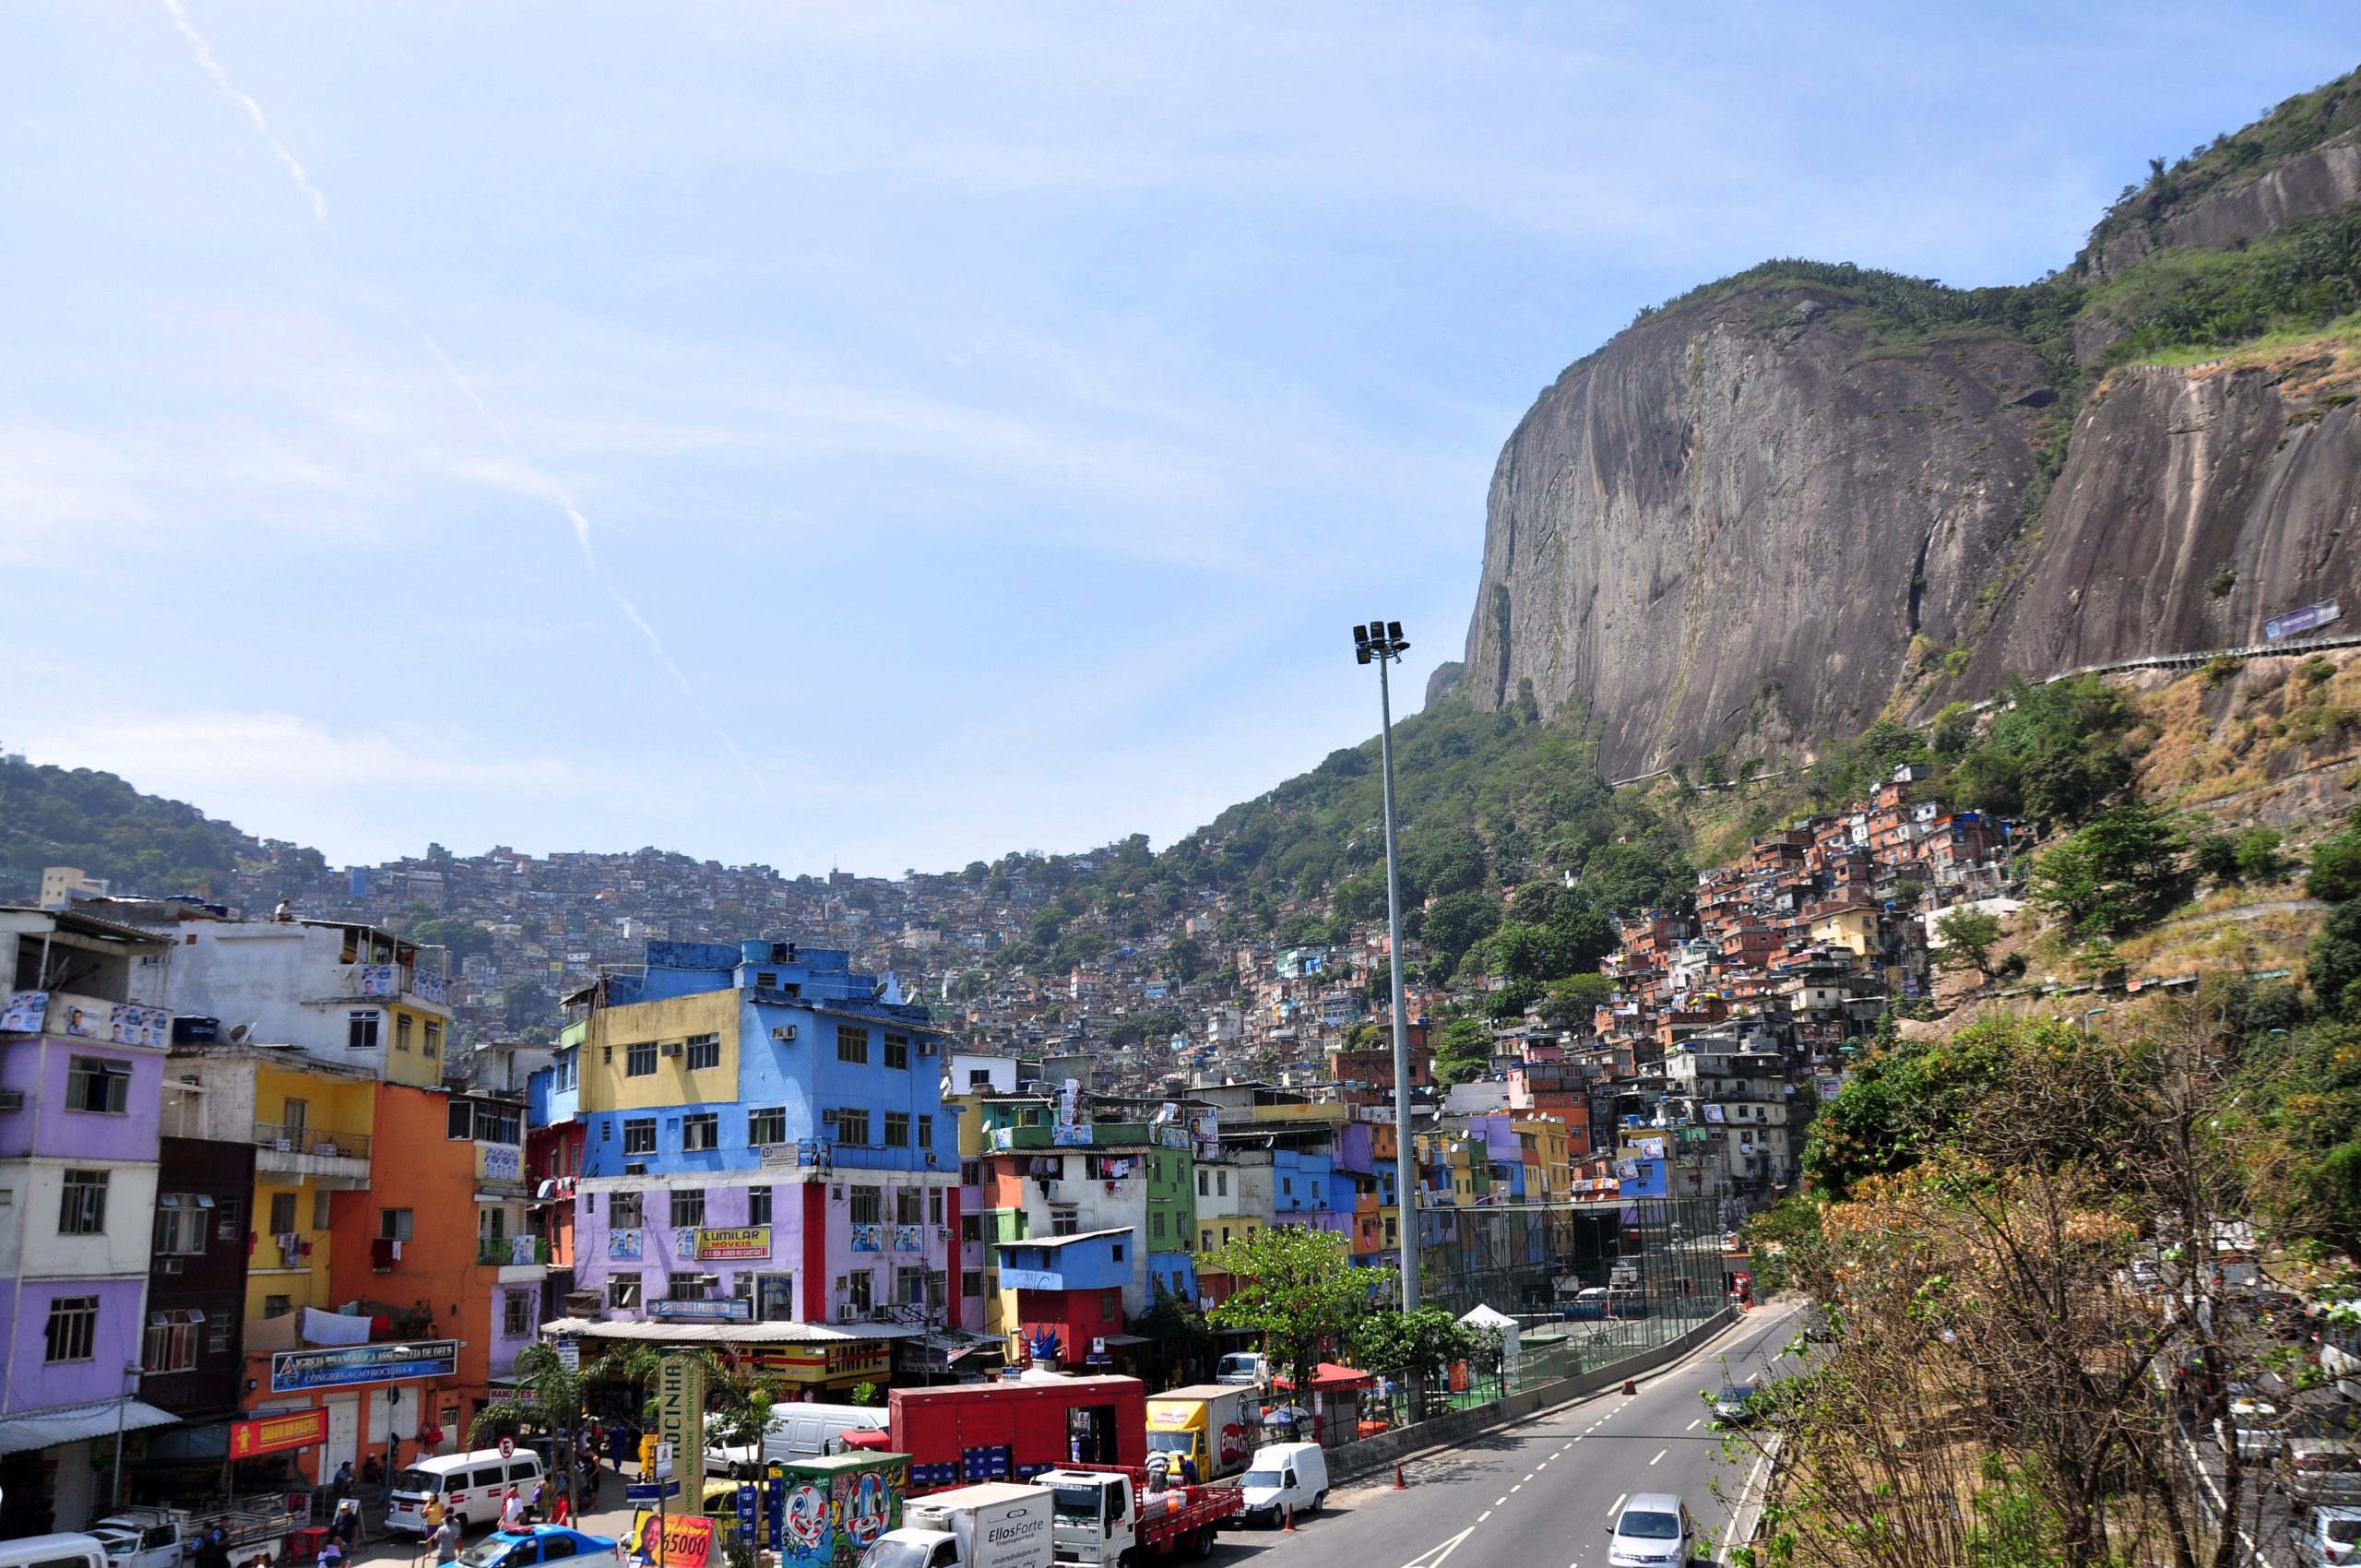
1104,1514
164,1538
997,1525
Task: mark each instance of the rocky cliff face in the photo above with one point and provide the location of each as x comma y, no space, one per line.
1756,520
1735,518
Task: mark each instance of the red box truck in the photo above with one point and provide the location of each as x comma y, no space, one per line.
963,1434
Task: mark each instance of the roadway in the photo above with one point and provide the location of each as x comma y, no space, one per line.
1541,1495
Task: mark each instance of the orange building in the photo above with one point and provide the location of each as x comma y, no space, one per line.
441,1239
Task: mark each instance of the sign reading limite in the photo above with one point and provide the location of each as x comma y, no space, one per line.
679,1418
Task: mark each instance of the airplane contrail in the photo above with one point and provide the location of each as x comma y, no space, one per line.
254,110
540,480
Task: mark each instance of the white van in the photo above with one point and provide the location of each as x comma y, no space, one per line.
1283,1476
53,1552
801,1432
471,1486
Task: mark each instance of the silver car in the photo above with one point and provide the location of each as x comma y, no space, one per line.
2323,1470
1654,1530
2331,1538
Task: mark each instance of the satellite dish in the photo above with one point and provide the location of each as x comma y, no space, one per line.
240,1032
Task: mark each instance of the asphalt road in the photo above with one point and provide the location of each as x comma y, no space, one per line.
1540,1495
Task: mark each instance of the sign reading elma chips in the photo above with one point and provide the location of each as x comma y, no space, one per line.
276,1435
292,1371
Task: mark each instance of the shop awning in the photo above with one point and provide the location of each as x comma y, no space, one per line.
71,1423
730,1333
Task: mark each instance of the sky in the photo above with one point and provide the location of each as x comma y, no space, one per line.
884,436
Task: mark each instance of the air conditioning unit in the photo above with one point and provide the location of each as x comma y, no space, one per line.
927,1047
784,1034
670,1048
12,1100
167,1265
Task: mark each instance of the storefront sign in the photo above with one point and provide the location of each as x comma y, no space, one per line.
838,1361
276,1435
725,1309
292,1371
745,1241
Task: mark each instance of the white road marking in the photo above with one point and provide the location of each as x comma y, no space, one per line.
1543,1465
1660,1453
1499,1501
1692,1426
1484,1515
1519,1487
1617,1506
1433,1556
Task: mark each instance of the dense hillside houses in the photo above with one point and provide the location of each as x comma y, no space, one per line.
292,1170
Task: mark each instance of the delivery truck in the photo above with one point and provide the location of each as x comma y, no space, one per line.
1103,1515
836,1506
1215,1426
997,1525
1010,1430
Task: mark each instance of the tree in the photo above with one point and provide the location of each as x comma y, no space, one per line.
1968,937
1464,1049
1570,1002
738,1400
2336,868
1456,922
2118,872
1297,1288
1418,1343
1186,958
546,1400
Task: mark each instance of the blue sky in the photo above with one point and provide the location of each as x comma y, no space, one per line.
888,435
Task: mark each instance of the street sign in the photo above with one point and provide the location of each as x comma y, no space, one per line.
507,1447
651,1492
663,1467
569,1354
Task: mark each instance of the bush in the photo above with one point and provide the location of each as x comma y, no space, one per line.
2335,875
2118,873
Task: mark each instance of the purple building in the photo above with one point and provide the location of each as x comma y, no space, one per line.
83,1036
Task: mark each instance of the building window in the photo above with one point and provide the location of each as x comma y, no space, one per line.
499,1125
909,1287
278,1306
971,1283
773,1298
516,1313
897,1051
565,1070
1156,1224
1110,1306
170,1341
229,1220
73,1327
282,1213
852,1045
971,1228
361,1031
639,1135
852,1126
971,1172
181,1225
767,1125
433,1047
688,1287
898,1129
758,1206
1207,1244
688,1207
926,1132
700,1129
934,1205
622,1293
1204,1183
858,1288
1115,1253
866,1205
401,1031
459,1120
93,1083
217,1335
639,1060
82,1208
1221,1183
1064,1221
909,1206
705,1052
394,1224
624,1211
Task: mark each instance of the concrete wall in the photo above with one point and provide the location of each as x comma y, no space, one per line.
1375,1453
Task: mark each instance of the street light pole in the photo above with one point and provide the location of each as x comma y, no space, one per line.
1381,642
131,1372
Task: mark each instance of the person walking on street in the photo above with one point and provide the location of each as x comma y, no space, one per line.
446,1541
512,1511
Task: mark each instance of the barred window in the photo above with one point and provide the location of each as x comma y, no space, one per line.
82,1206
767,1125
700,1129
852,1044
639,1135
705,1052
73,1332
639,1060
93,1083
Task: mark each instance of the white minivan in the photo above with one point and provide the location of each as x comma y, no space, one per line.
1283,1476
801,1432
471,1486
53,1552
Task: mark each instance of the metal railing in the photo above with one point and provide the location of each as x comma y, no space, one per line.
282,1139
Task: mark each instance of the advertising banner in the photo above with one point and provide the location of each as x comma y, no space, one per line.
743,1241
276,1435
292,1371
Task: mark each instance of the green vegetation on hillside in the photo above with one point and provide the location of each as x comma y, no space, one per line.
140,843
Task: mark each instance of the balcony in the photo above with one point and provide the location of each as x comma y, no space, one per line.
311,1151
520,1259
70,1016
362,982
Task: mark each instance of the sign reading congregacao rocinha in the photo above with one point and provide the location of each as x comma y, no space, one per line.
292,1371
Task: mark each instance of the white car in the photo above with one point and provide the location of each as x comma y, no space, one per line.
2256,1423
2331,1538
1654,1530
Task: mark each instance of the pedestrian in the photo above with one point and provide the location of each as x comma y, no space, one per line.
537,1503
447,1540
373,1474
512,1511
433,1511
1189,1469
212,1551
615,1446
560,1512
332,1553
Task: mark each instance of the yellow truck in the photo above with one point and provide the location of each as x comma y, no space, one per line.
1215,1426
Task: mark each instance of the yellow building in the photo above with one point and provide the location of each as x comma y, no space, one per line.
661,1055
1854,928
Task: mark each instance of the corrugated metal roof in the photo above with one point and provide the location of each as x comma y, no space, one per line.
46,1429
730,1333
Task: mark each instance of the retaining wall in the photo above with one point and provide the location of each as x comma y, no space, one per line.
1375,1453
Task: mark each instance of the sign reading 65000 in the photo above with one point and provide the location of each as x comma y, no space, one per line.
292,1371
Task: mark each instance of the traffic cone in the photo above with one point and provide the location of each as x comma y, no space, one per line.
1630,1387
1289,1526
1399,1484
